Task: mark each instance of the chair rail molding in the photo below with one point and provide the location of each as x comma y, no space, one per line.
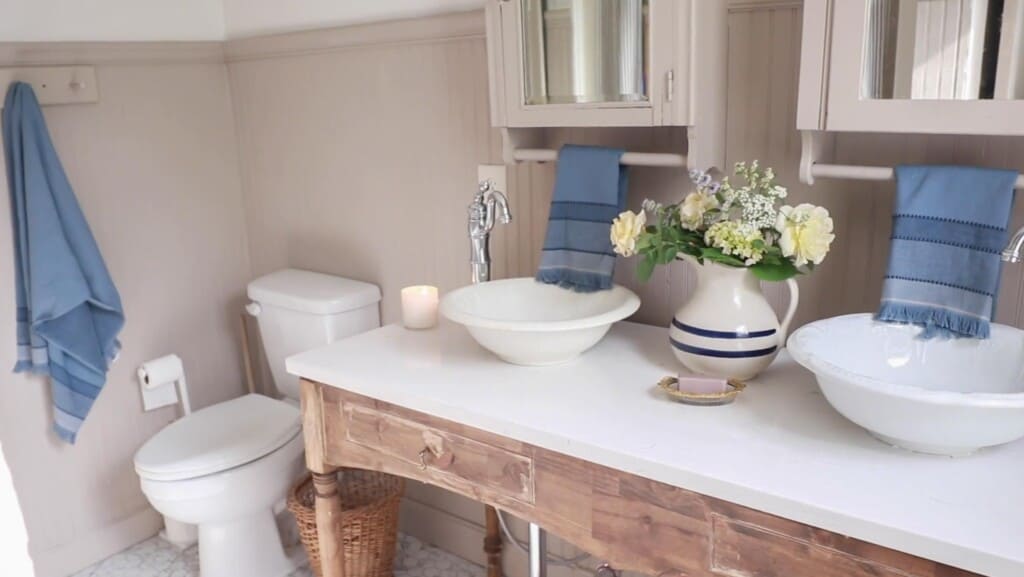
446,27
109,53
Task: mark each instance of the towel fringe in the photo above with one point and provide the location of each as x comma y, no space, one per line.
577,281
941,323
65,435
23,366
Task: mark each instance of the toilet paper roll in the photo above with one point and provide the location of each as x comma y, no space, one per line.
162,371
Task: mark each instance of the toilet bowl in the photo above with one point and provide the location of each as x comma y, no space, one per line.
223,469
226,468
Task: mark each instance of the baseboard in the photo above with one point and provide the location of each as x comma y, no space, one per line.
464,538
443,529
434,526
94,546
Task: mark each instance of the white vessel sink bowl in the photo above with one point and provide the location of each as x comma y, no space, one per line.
940,396
525,322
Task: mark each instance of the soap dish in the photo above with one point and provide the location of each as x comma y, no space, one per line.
671,387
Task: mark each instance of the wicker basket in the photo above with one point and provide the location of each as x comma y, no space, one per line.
369,521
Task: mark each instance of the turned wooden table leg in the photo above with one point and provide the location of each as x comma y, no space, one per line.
325,483
328,524
492,542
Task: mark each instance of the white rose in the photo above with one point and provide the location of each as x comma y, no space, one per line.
805,233
691,213
625,230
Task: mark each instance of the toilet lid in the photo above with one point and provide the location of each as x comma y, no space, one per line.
218,438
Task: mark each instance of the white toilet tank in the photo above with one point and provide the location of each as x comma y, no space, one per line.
299,310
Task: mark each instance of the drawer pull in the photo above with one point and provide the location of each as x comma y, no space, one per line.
429,457
444,457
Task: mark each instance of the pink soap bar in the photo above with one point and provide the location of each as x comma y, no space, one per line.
702,385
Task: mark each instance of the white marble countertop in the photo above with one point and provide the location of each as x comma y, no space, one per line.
780,448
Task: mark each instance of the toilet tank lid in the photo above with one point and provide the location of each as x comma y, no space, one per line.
312,292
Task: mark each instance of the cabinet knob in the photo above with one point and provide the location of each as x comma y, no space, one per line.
439,459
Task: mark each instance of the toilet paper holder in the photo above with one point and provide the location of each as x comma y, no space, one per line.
163,382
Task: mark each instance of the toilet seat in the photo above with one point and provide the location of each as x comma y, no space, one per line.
218,438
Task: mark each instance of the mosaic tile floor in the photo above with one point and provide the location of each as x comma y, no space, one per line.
157,558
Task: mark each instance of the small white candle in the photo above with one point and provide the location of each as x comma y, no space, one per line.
419,307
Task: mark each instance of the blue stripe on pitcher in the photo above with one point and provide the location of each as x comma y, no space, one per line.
721,334
701,351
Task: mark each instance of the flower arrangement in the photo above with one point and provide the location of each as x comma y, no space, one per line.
738,224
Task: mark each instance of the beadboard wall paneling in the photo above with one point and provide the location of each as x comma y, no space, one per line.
360,162
154,166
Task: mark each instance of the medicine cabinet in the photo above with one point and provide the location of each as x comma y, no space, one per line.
610,63
921,66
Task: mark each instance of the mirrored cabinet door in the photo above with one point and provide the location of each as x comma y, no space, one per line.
930,66
942,50
592,62
585,51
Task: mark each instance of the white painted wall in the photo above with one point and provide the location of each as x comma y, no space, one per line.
254,17
14,545
155,167
113,20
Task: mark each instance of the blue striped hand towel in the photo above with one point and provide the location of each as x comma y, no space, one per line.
69,312
949,227
590,191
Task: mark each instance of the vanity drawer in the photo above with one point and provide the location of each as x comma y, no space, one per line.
741,549
440,455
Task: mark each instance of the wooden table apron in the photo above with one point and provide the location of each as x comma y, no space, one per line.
632,522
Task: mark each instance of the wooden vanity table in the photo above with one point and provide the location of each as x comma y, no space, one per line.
775,485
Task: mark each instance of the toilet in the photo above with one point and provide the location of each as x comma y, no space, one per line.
227,468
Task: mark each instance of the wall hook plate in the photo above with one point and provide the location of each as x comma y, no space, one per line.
55,84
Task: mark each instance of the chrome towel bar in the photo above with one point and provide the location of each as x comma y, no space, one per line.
629,158
817,145
855,172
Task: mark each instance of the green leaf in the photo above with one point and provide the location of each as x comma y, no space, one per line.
668,254
716,255
774,272
691,250
645,268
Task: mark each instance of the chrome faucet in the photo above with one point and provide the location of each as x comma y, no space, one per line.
1012,252
488,204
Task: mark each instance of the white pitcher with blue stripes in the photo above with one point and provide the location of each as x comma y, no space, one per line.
727,328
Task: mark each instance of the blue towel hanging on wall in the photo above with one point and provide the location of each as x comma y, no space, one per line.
590,191
69,311
949,227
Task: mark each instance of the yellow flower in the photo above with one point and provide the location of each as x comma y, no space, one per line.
691,213
625,230
805,233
